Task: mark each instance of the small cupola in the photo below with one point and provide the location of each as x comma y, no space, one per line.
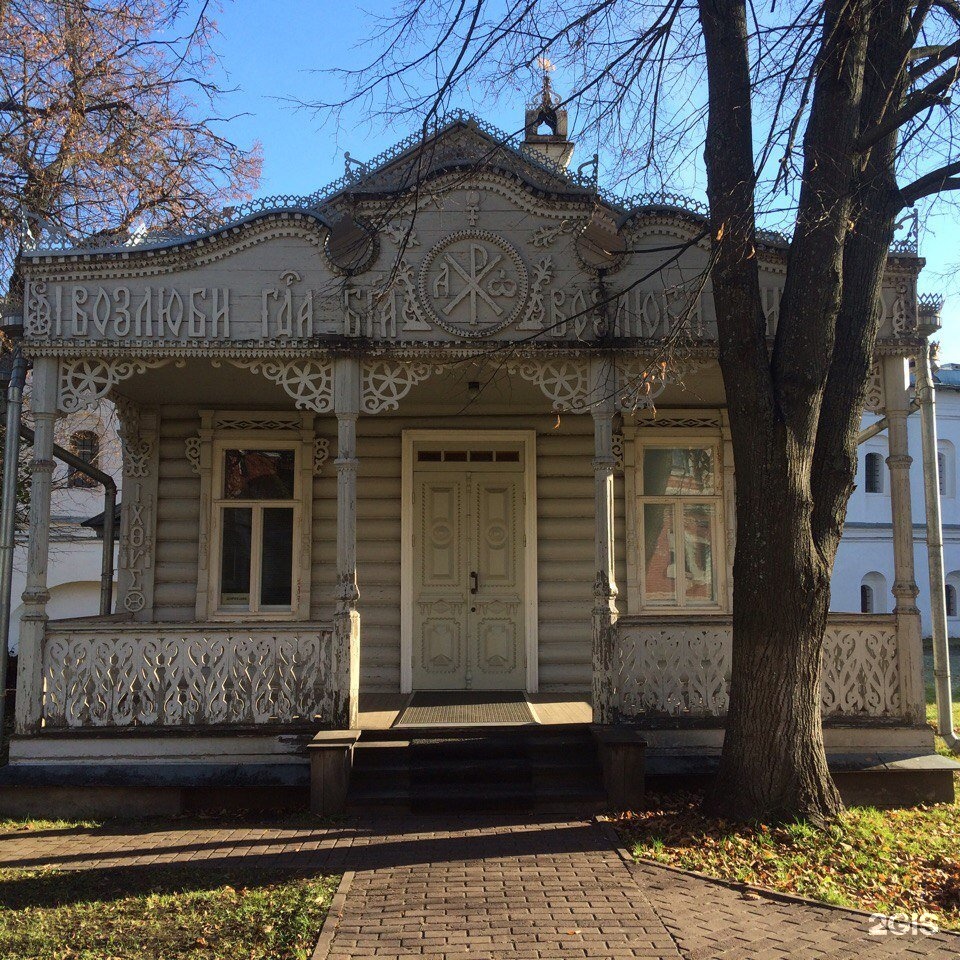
545,130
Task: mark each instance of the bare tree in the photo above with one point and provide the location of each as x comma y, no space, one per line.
109,120
825,116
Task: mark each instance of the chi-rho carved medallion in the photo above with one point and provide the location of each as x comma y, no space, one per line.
473,284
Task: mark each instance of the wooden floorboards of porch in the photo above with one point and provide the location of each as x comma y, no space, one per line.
379,711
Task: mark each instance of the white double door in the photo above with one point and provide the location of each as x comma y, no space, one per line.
468,583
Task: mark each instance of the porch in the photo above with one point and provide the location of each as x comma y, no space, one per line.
594,612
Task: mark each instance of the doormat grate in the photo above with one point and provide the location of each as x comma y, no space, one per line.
463,708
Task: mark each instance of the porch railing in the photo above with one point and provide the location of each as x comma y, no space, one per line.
100,673
681,666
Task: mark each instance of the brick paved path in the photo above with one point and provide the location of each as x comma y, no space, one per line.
484,888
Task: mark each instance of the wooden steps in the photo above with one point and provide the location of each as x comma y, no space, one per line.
496,768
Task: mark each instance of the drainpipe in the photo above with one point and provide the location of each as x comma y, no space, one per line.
938,599
8,509
109,507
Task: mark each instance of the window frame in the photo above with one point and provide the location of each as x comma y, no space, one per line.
949,588
681,605
76,479
881,484
946,466
300,438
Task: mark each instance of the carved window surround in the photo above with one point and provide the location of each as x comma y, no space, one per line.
139,432
678,430
273,430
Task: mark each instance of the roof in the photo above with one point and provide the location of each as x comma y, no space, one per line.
367,177
948,376
96,522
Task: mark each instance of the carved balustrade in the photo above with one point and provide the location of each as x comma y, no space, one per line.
680,667
104,673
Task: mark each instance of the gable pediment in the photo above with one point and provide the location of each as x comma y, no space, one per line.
463,239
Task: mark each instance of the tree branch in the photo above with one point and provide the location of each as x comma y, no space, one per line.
943,178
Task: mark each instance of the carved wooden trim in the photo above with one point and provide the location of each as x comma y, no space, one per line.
308,382
384,383
84,381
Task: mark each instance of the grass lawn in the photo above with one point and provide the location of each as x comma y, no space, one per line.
931,697
163,912
891,861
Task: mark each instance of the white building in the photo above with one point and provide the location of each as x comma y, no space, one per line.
863,575
76,549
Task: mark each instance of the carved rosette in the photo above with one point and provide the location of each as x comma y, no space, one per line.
308,382
564,382
85,382
473,283
384,383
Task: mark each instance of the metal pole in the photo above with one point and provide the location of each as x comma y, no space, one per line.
8,510
109,508
106,574
938,593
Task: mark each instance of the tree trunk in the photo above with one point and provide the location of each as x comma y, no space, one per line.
773,764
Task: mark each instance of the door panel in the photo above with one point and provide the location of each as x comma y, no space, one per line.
495,627
440,604
468,580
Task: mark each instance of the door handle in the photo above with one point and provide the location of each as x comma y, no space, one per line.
474,581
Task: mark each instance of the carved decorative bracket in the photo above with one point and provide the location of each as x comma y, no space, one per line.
565,383
618,451
309,382
321,453
875,399
137,447
85,382
384,383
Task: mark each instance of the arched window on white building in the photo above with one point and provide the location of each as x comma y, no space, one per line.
873,593
953,594
86,445
947,468
873,472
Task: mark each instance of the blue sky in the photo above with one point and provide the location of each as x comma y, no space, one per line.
279,48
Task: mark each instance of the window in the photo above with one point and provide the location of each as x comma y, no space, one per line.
873,470
680,525
951,592
256,519
86,445
946,464
873,593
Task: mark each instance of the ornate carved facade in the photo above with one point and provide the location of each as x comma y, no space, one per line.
524,416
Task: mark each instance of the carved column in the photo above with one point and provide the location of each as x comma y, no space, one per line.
346,620
909,647
203,453
605,586
139,438
729,503
33,622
